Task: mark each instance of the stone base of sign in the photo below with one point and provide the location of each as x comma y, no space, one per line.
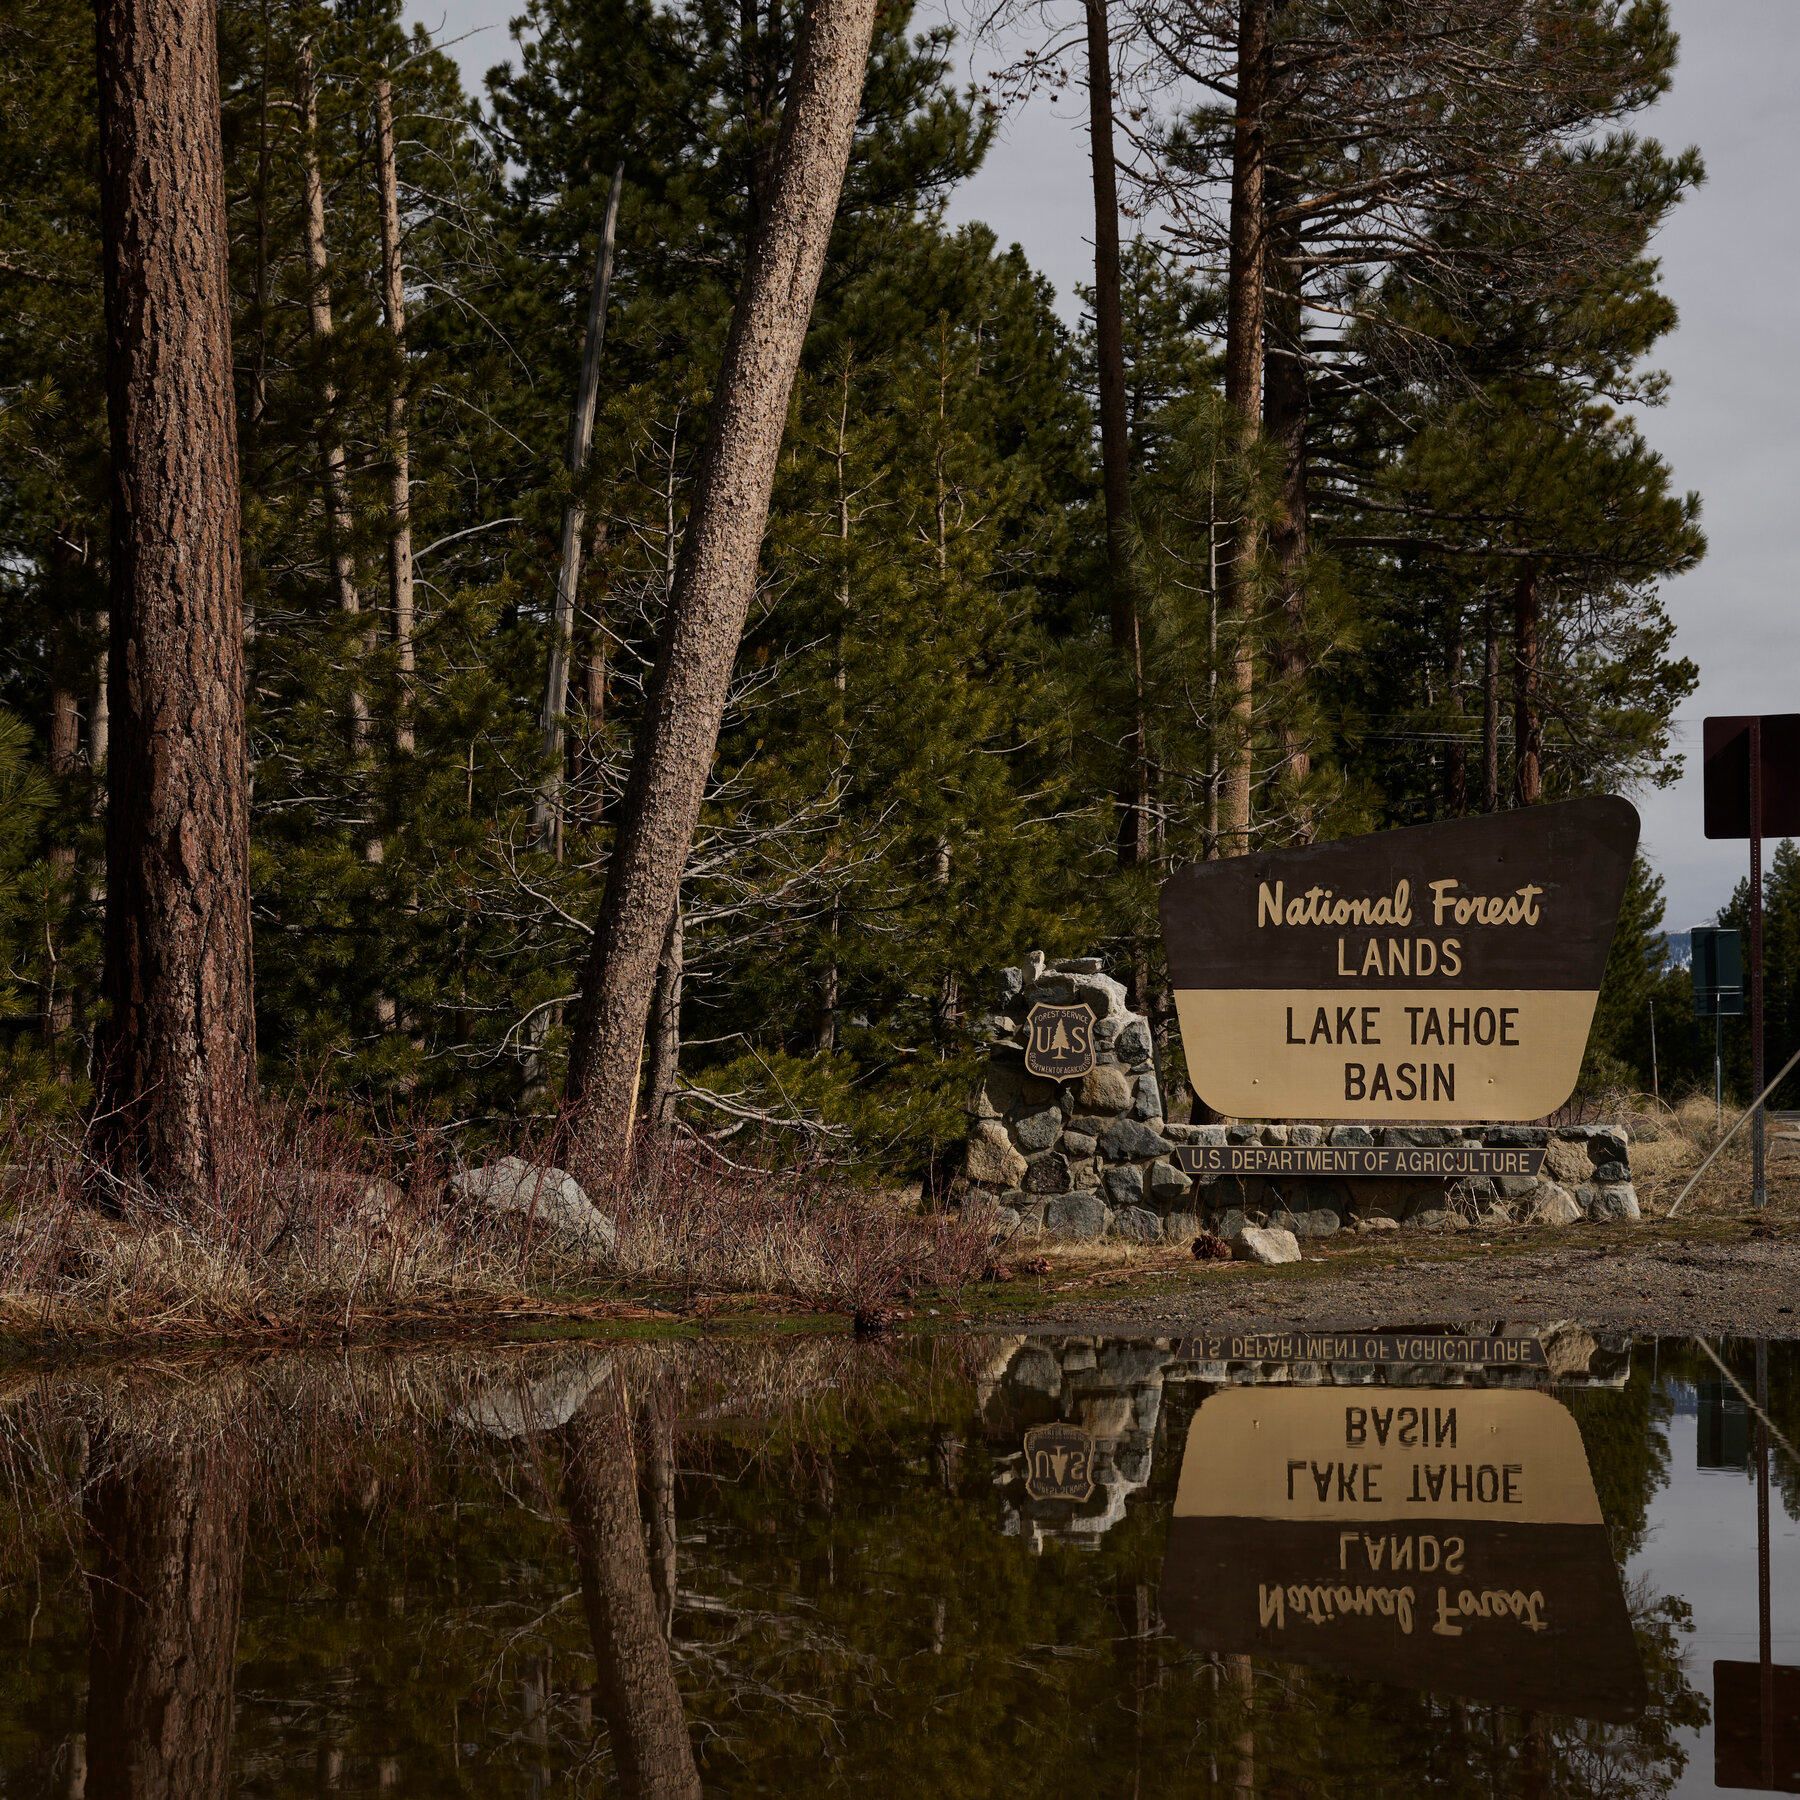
1094,1158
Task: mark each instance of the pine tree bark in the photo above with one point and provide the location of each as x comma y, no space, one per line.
1115,441
56,998
1247,272
393,300
1286,409
177,1064
636,1690
665,1033
166,1528
1528,726
1456,771
715,577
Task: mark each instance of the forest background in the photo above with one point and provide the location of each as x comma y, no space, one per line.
1384,552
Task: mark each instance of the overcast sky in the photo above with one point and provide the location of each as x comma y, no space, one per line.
1731,260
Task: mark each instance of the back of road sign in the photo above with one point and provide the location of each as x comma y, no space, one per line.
1726,744
1718,968
1445,972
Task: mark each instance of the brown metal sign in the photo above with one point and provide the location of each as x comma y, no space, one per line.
1059,1463
1446,1539
1453,1162
1059,1041
1443,972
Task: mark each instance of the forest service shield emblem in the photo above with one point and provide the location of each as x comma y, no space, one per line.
1059,1463
1059,1041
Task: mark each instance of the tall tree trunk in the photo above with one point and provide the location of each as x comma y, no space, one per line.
56,999
177,1067
1490,708
1115,443
547,814
593,737
636,1688
1286,405
1528,727
393,300
665,1033
166,1529
1244,304
339,525
716,575
1456,770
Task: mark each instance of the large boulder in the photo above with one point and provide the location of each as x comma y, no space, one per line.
548,1199
1610,1201
1167,1183
1124,1186
1265,1244
1101,994
1130,1140
1047,1173
1137,1224
1553,1205
992,1159
1103,1090
1039,1130
1080,1215
1566,1163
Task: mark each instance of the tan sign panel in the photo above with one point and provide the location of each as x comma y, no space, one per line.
1447,1539
1444,972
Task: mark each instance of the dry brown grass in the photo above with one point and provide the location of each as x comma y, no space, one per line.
329,1232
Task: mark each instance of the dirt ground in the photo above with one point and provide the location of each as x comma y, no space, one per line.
1716,1268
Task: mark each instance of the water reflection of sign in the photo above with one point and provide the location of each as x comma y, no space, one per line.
1756,1727
1059,1463
1059,1042
1446,1539
1444,972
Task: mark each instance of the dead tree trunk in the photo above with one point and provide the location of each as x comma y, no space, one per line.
548,811
393,298
338,520
177,1068
665,1033
166,1529
1490,708
1528,726
716,575
1115,444
636,1687
1245,285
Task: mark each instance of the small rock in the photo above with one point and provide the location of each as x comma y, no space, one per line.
1306,1136
1167,1183
1376,1223
1129,1140
1079,965
1431,1218
1077,1146
1146,1099
1516,1187
1243,1134
1229,1223
1211,1135
1034,969
1038,1130
1274,1134
1123,1186
1567,1163
1351,1137
1515,1137
1137,1224
1608,1172
1496,1218
1133,1042
1178,1227
1047,1173
1104,1090
1265,1244
549,1198
1078,1215
1012,985
1554,1205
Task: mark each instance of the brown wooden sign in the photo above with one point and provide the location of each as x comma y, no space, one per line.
1059,1041
1444,1539
1451,1162
1444,972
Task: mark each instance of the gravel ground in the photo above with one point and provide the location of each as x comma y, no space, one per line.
1748,1288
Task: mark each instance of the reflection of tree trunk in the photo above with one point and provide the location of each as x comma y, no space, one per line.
167,1531
658,1421
636,1686
1536,1785
1243,1679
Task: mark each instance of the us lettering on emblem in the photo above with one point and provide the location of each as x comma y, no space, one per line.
1059,1462
1059,1041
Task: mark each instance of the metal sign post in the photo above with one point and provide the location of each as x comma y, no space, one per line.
1752,776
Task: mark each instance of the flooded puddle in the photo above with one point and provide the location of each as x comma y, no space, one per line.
981,1566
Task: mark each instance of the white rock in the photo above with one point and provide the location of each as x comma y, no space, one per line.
550,1198
1377,1222
1265,1244
1555,1205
